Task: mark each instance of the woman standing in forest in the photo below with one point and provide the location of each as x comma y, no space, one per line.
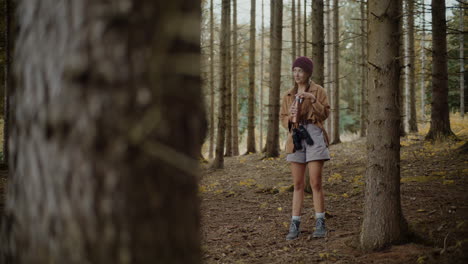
304,108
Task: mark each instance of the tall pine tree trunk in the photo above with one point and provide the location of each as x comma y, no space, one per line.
329,47
364,102
293,30
423,63
229,86
383,221
235,121
73,196
318,42
251,110
218,162
462,63
336,74
305,28
440,121
212,90
402,53
412,125
262,63
299,24
9,77
276,35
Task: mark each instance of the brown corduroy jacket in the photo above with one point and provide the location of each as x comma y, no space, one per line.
315,112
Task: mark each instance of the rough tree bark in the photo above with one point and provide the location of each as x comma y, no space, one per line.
423,63
318,42
412,122
402,54
336,74
251,110
276,36
364,102
383,221
235,121
218,162
73,195
229,85
293,30
329,47
299,37
462,63
9,78
440,121
261,77
212,90
305,28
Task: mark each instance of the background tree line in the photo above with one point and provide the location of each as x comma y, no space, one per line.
347,38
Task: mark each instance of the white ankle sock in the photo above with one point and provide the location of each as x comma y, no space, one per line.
320,215
296,218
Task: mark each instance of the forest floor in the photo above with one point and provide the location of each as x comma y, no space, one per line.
246,207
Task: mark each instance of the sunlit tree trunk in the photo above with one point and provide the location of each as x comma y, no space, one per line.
212,90
276,35
440,121
251,110
412,125
336,74
235,108
95,106
318,42
218,162
364,102
383,222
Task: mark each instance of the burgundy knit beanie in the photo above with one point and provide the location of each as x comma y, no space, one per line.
305,64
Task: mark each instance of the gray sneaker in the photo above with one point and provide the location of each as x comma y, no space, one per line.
320,229
293,230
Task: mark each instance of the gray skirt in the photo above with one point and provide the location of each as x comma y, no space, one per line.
317,151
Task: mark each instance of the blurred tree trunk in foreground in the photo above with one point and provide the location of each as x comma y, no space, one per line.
383,222
8,73
106,131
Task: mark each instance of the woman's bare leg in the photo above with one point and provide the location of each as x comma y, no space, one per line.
315,174
298,170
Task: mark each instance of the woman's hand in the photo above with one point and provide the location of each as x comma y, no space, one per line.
309,96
